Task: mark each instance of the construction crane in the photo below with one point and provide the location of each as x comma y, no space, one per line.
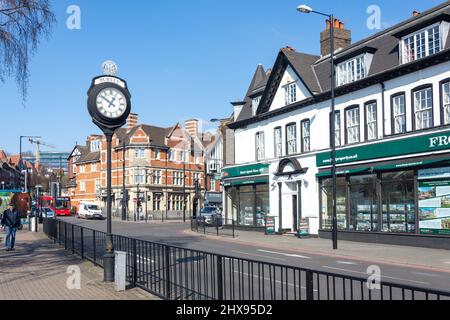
38,144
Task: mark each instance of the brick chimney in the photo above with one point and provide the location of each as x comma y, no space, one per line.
192,127
342,37
132,121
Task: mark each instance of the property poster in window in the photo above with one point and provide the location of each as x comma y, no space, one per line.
434,207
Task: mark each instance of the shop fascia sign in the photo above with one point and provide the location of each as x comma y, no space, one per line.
426,143
244,171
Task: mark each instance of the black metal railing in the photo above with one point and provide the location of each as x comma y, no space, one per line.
183,274
214,226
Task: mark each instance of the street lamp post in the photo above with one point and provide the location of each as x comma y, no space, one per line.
124,188
306,9
20,147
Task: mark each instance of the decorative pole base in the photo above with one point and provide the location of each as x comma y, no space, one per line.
108,264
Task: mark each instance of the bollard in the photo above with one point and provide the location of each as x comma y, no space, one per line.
120,270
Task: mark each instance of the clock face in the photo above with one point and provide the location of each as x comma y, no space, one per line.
111,103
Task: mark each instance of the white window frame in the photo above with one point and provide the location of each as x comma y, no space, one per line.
291,139
371,120
139,153
156,177
171,155
290,93
278,141
157,153
414,40
337,128
422,110
98,185
446,102
352,70
353,125
306,135
260,146
255,104
93,167
83,168
82,186
399,113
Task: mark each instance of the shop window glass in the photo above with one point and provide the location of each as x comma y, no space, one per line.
434,201
363,204
247,208
232,205
262,207
398,204
327,204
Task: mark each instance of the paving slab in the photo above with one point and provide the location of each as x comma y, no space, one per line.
37,270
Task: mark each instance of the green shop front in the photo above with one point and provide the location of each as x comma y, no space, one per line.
247,196
395,191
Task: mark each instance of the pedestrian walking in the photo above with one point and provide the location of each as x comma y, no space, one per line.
10,223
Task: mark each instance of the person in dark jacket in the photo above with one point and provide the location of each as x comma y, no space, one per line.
10,222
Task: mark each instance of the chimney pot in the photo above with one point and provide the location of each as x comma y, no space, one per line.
341,26
336,23
416,13
328,23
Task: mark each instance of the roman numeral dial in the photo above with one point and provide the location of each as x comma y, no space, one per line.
111,103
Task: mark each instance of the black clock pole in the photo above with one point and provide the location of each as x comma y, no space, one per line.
108,258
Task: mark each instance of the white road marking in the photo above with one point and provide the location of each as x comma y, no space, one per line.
431,275
394,278
277,281
257,255
285,254
347,263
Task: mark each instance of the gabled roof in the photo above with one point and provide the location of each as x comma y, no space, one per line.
257,86
157,135
89,157
315,71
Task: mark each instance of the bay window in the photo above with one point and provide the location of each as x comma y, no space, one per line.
352,125
291,139
423,108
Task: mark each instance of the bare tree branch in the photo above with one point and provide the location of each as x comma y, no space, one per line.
23,23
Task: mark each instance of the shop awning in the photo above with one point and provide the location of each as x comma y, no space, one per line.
398,165
246,182
411,164
343,172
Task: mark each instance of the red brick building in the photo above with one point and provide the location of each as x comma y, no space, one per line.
161,165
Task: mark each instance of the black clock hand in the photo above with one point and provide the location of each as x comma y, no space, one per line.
112,102
106,100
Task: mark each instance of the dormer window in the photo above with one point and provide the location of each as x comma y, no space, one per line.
96,145
255,104
421,44
351,70
290,93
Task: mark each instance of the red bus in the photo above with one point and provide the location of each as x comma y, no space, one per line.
46,202
63,206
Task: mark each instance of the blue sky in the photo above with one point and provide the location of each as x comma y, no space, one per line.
182,59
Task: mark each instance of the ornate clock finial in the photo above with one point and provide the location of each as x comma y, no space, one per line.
110,68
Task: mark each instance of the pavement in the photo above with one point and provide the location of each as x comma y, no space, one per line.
37,270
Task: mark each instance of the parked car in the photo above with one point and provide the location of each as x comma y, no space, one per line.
209,216
44,214
90,210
